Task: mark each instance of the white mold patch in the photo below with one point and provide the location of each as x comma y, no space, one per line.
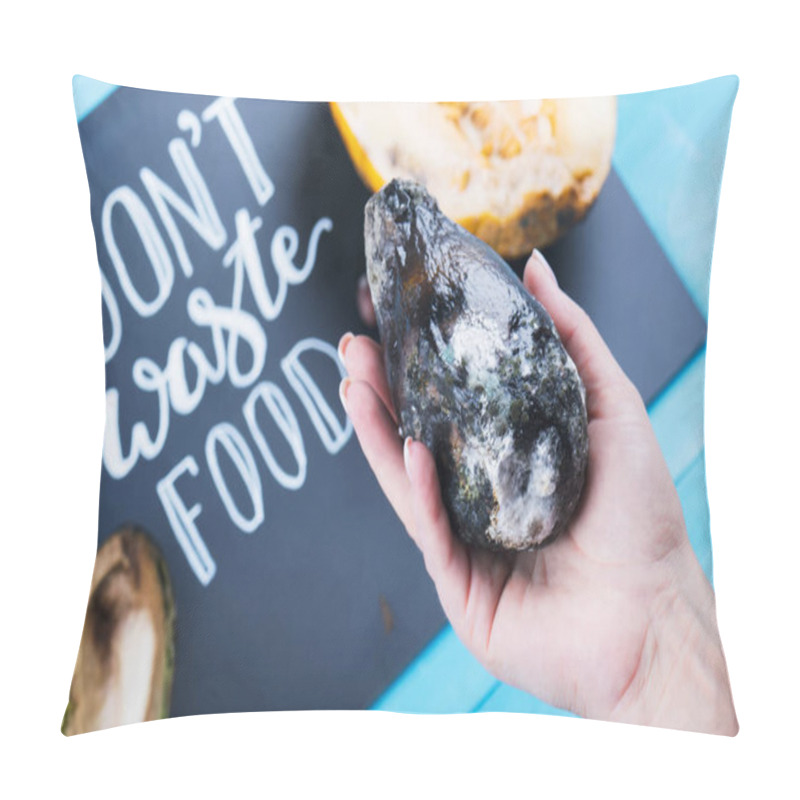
379,281
544,476
476,345
523,518
570,365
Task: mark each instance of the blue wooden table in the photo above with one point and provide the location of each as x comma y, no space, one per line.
669,153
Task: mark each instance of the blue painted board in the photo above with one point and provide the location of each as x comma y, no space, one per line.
669,153
88,93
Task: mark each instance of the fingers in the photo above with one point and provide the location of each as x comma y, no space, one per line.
377,434
364,303
607,387
363,359
406,475
446,559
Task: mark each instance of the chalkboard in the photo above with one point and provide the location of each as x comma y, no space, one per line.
612,265
230,241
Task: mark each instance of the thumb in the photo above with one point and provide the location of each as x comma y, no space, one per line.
608,390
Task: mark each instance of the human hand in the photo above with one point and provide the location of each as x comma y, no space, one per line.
615,620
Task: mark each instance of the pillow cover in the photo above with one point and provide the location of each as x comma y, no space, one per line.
247,558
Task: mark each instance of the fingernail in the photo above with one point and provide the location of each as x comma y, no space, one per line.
343,342
537,254
343,387
407,454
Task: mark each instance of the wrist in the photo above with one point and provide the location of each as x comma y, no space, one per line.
681,680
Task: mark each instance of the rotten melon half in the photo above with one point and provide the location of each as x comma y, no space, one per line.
516,174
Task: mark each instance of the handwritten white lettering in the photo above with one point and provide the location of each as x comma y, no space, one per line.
114,318
154,246
149,378
245,258
182,521
281,412
189,121
231,342
332,432
201,215
240,454
224,110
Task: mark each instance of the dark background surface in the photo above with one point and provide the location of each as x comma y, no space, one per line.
612,265
326,603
